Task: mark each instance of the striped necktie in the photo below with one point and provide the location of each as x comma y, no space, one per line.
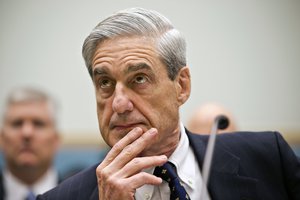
167,173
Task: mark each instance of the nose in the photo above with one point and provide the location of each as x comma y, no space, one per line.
27,129
121,102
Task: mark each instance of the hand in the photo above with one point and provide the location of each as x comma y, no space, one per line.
120,173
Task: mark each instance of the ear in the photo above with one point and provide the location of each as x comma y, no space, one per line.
183,85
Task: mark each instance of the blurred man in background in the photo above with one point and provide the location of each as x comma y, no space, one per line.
29,141
201,121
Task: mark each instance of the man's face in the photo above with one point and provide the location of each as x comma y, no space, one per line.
29,138
133,90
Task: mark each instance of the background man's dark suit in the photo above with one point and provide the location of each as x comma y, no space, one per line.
246,166
1,187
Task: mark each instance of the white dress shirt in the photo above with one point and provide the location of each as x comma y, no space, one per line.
187,169
17,190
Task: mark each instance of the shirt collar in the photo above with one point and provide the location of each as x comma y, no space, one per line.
183,158
13,184
47,182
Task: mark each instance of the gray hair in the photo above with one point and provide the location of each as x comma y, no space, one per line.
170,43
28,95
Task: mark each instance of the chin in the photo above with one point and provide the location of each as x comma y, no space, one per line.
147,152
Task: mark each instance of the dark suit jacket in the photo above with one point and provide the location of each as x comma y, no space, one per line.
245,166
1,187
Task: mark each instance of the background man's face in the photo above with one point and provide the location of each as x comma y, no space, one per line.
29,137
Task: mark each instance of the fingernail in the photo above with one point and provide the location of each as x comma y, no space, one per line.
137,129
164,157
153,131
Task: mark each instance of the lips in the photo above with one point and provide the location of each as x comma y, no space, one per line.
125,126
26,149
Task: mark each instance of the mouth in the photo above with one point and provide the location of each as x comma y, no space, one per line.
25,149
123,127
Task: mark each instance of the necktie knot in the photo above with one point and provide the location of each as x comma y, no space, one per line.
30,196
168,173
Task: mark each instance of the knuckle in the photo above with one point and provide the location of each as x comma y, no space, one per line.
136,161
103,174
99,170
128,150
117,147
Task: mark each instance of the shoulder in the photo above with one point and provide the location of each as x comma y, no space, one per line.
79,186
247,144
253,141
242,138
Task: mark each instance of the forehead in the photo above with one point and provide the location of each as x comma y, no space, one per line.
37,109
125,55
128,41
122,48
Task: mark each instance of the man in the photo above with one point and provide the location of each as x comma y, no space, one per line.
136,59
29,140
204,116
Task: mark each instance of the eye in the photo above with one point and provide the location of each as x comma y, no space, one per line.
39,123
105,83
17,123
140,79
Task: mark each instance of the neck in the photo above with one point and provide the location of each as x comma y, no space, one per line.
28,175
165,145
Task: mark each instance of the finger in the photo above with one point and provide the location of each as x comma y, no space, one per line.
136,165
120,145
141,179
122,188
116,188
134,149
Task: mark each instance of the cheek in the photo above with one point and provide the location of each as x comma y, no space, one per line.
9,141
104,113
164,107
46,145
11,146
164,98
43,141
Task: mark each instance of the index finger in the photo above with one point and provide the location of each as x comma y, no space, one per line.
134,149
120,145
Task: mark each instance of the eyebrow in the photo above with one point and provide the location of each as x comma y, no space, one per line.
131,68
99,71
136,67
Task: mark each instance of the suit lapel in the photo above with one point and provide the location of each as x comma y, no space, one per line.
224,180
